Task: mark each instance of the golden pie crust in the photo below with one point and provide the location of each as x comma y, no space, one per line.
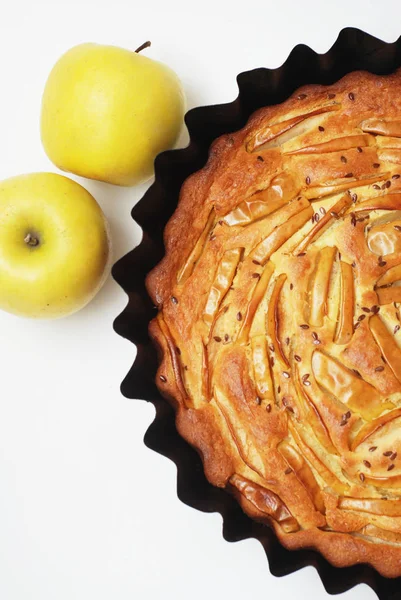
279,318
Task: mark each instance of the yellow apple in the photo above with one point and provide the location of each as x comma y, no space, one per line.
54,246
107,112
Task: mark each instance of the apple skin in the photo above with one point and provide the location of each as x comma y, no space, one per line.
107,112
68,266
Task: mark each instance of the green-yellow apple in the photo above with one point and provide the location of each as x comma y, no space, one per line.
107,112
54,246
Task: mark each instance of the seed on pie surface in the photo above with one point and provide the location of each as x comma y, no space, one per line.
269,408
256,262
349,175
286,374
178,350
271,347
343,159
322,210
372,448
304,326
367,464
366,309
288,471
396,329
388,453
391,467
351,96
307,180
388,184
359,149
260,158
375,309
256,275
301,254
174,300
394,456
302,96
279,389
382,263
361,317
362,477
217,338
297,358
331,96
163,378
258,400
291,286
321,128
379,369
397,227
396,176
376,187
239,316
376,165
287,341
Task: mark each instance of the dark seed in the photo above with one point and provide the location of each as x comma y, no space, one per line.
239,316
286,374
307,180
362,317
302,96
178,351
315,335
304,326
272,361
317,217
174,300
382,263
271,347
226,337
163,378
331,96
391,467
356,325
396,176
291,286
322,210
349,175
379,369
375,309
367,464
376,165
217,338
388,453
258,400
287,341
256,275
321,128
388,184
362,477
357,373
351,96
288,471
212,237
261,159
269,408
348,414
397,227
256,262
301,254
354,198
297,358
343,159
333,214
279,389
373,449
359,149
394,456
305,377
396,329
366,309
376,187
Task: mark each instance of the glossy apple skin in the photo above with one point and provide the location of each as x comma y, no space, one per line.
107,112
67,267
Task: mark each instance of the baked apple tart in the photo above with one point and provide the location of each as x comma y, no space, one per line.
279,321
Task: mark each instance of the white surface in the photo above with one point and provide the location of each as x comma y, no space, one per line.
86,510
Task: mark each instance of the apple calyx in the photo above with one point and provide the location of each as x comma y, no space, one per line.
143,46
31,240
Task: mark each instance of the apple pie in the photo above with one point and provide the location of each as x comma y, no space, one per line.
279,319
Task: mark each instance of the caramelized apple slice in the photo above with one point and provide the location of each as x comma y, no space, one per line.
388,483
329,188
335,145
304,473
261,368
328,476
336,211
266,502
370,428
382,534
392,275
221,284
320,286
381,127
389,295
385,238
387,344
280,235
175,363
256,299
392,155
281,190
273,319
267,133
383,141
345,326
188,267
386,202
374,506
349,389
313,416
205,374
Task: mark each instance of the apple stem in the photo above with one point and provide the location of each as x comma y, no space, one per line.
143,46
31,240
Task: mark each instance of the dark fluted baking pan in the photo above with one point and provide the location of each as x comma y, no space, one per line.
353,50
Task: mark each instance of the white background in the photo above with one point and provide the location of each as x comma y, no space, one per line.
86,510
